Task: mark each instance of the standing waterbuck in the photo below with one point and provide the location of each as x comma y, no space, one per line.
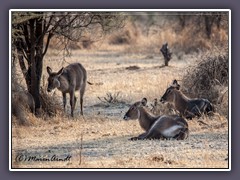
187,107
68,80
157,127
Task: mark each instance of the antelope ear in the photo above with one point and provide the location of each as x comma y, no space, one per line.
144,101
49,70
60,72
175,84
174,81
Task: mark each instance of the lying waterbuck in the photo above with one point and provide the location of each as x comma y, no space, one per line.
157,127
187,107
68,80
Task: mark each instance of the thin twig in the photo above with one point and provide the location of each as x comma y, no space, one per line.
80,150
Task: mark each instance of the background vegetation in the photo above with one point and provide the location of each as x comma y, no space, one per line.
121,53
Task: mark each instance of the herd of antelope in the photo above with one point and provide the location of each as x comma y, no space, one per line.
74,78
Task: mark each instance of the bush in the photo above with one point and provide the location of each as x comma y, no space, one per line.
127,35
209,79
50,104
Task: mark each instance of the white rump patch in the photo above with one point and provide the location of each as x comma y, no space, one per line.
172,131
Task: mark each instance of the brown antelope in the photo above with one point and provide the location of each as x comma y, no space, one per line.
187,107
68,80
157,127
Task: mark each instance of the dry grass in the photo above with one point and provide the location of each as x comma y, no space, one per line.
106,145
132,39
124,67
104,134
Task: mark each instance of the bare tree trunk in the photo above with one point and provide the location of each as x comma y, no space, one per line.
36,59
208,25
166,53
30,56
182,20
33,89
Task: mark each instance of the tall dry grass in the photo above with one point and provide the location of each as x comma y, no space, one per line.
186,41
104,134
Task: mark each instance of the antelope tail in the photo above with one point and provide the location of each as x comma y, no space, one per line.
89,83
210,107
97,84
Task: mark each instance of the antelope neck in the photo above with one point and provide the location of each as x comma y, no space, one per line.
180,100
145,119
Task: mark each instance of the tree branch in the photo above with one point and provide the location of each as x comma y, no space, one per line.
21,63
58,22
26,36
46,26
50,35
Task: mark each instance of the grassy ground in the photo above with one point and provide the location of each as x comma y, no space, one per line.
100,138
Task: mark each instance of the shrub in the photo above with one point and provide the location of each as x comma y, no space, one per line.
209,79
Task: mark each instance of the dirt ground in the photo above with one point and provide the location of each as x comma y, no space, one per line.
100,138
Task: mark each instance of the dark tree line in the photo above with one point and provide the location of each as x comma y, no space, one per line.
204,21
